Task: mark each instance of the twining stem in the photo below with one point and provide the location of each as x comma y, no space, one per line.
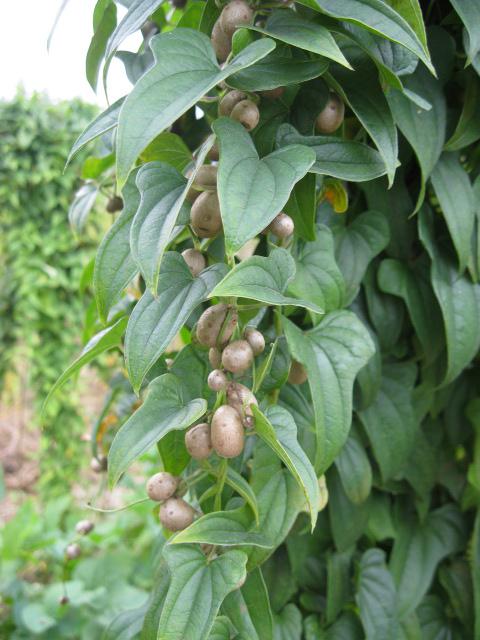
127,506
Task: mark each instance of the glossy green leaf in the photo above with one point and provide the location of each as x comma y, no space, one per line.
356,245
126,625
459,300
333,353
288,26
104,22
341,510
469,12
170,148
433,619
287,625
344,159
277,428
467,130
411,11
103,123
173,452
163,410
283,66
200,586
318,278
385,311
155,321
302,207
238,483
455,194
263,279
376,597
418,549
390,420
185,69
105,340
114,264
253,191
81,206
376,16
338,583
249,608
221,629
354,470
225,528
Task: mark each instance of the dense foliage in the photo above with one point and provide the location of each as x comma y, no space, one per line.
41,264
315,191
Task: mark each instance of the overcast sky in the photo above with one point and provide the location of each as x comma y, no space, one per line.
24,29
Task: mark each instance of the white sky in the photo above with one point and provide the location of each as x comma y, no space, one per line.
24,29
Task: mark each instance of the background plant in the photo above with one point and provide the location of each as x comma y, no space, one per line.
374,297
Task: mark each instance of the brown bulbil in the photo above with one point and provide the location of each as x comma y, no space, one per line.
64,600
221,43
255,339
161,486
241,398
195,260
298,373
282,226
176,514
205,215
235,14
99,465
198,441
114,204
237,356
228,434
229,100
331,116
84,527
213,154
217,380
215,357
214,325
73,551
206,178
246,112
273,94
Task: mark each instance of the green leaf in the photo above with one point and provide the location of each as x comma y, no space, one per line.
364,94
104,22
277,428
356,245
138,12
282,67
185,69
81,206
225,528
424,129
377,17
318,278
155,321
338,583
249,608
455,195
469,13
385,311
390,420
333,353
126,625
344,159
105,340
419,548
475,567
467,130
252,191
287,625
288,26
103,123
238,483
114,264
434,620
459,300
198,586
163,410
341,510
302,207
263,279
412,12
376,597
169,148
355,471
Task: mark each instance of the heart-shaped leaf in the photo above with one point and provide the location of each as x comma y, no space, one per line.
238,483
263,279
318,278
284,66
164,410
469,13
249,608
168,147
185,69
104,22
155,321
225,528
333,353
198,586
114,264
288,26
253,191
277,428
344,159
355,470
302,207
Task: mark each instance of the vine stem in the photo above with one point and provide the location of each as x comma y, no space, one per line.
221,483
127,506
